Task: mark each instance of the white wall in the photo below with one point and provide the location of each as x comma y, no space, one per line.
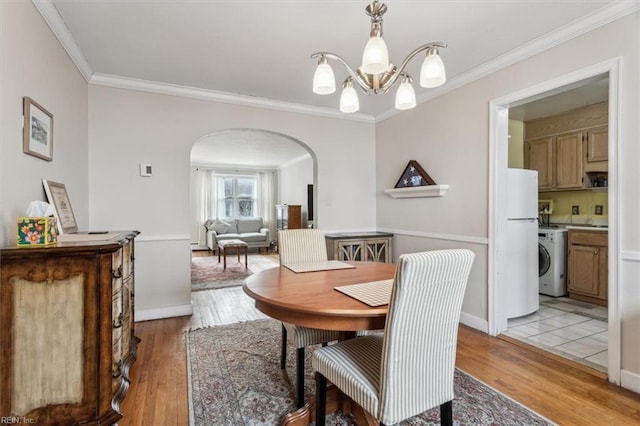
34,64
516,144
456,152
129,127
292,185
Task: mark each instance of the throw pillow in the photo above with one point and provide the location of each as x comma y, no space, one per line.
221,227
249,225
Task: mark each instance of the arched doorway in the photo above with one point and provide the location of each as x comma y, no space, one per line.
285,169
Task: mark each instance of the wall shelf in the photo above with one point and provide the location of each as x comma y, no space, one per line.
418,191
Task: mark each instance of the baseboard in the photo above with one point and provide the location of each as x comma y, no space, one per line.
630,380
474,322
166,312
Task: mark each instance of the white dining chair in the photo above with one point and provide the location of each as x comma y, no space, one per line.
302,246
409,368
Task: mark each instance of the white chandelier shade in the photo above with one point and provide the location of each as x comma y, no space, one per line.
324,81
375,57
377,75
432,73
405,96
349,101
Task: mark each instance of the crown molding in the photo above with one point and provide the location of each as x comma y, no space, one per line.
608,14
599,18
98,79
51,16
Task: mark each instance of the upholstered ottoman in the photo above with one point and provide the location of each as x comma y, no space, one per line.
238,246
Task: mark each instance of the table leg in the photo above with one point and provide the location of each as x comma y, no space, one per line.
246,262
224,257
219,249
336,401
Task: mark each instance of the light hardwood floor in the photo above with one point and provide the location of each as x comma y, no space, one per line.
564,393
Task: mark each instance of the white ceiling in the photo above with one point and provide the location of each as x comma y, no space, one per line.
259,51
565,99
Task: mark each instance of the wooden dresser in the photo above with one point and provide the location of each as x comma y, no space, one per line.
366,246
67,330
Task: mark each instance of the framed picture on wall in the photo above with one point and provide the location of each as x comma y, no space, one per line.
414,175
59,199
37,139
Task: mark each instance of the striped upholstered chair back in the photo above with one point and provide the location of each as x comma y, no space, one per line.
409,369
419,345
298,246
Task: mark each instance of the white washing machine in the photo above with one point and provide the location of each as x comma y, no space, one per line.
552,261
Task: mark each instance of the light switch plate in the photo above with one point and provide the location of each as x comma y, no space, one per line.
145,170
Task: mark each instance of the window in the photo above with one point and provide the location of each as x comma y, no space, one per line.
237,196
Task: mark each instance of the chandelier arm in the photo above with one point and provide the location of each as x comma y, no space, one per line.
400,70
361,82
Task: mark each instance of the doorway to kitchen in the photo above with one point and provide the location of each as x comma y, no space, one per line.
567,313
570,196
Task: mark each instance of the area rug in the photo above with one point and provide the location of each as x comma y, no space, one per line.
208,274
235,379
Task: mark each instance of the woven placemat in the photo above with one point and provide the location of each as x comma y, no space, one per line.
318,266
374,293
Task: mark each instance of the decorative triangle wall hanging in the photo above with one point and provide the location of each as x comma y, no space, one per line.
414,175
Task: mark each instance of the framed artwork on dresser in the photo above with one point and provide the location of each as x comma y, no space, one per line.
59,200
37,138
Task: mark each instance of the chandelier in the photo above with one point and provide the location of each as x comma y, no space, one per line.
376,75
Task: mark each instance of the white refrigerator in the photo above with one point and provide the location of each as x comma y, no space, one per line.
522,242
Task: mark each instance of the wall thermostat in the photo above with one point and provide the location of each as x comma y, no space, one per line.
145,169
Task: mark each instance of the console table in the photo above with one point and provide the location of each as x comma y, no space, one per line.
67,337
359,246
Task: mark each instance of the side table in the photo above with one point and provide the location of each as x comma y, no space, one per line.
231,245
360,246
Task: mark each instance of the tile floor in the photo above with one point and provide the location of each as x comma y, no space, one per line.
566,327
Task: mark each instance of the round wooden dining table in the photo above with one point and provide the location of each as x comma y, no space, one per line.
309,299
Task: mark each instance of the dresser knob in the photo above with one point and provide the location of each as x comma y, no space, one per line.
118,324
118,272
118,371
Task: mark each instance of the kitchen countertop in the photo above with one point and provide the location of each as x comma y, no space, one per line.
588,228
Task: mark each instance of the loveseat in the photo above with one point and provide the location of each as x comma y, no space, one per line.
250,230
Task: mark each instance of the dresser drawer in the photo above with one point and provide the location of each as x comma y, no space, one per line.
127,260
117,307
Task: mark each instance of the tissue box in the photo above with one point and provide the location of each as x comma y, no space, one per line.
37,231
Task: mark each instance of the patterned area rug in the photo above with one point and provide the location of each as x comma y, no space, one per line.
208,274
235,379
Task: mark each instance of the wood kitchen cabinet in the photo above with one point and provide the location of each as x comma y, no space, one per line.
67,330
587,266
598,149
558,161
568,149
539,156
569,170
360,246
